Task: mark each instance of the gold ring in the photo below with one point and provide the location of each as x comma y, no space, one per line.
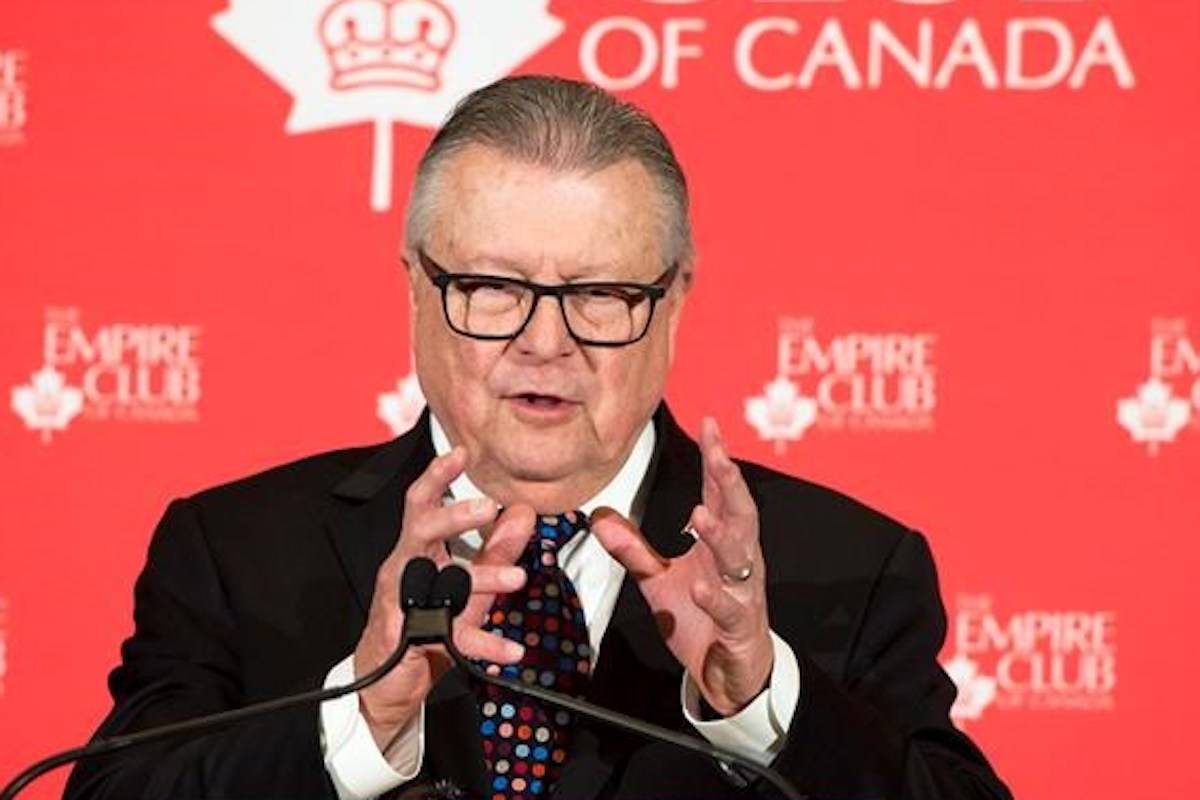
739,575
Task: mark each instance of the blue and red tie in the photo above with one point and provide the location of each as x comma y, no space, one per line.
525,741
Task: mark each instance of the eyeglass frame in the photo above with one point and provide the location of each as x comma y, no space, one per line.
654,292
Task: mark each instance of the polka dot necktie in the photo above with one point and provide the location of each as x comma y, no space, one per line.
524,740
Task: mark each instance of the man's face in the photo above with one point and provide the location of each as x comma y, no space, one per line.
542,416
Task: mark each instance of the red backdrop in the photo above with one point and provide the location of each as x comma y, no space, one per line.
948,264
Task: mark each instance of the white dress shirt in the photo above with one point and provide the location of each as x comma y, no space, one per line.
360,771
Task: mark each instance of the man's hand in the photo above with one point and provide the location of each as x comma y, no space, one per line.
389,704
714,624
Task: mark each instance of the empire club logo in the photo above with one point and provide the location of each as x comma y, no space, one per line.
1169,399
857,381
1031,659
13,91
383,61
400,409
120,371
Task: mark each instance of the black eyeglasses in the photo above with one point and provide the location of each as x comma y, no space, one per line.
599,313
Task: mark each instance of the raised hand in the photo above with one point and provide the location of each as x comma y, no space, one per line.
710,603
389,704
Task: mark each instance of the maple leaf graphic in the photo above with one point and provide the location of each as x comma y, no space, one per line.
781,413
1153,416
46,403
383,61
401,409
975,691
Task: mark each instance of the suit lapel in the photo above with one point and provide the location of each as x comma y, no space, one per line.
363,528
636,673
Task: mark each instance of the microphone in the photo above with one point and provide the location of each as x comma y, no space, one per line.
416,582
451,589
421,626
453,586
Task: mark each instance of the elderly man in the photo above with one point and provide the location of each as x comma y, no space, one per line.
549,257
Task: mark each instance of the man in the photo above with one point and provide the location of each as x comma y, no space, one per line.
549,258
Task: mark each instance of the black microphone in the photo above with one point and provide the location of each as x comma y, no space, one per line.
416,582
451,589
421,626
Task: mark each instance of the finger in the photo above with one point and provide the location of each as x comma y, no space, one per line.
428,490
735,495
709,434
730,552
502,547
505,542
729,615
491,580
436,525
625,543
439,524
709,438
711,492
479,644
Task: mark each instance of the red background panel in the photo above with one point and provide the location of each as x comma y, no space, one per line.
1038,237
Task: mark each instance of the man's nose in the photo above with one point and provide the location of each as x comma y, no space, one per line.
546,335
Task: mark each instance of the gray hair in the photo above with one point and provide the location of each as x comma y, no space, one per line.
564,125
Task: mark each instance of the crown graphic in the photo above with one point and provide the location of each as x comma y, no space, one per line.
387,42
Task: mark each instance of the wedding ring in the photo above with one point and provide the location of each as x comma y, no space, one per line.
739,575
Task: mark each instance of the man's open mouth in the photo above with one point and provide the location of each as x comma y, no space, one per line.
547,400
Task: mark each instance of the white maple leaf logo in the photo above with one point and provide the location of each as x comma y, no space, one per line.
781,414
46,403
401,409
1153,416
975,691
383,61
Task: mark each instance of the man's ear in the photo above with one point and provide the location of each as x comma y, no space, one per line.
406,261
678,294
410,276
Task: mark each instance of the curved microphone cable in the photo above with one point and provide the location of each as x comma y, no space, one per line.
416,585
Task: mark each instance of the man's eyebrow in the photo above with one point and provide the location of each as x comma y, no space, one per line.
598,272
484,263
610,273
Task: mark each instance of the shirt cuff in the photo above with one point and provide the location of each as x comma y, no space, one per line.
352,759
758,731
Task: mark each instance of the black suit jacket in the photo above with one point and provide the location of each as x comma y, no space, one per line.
255,589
